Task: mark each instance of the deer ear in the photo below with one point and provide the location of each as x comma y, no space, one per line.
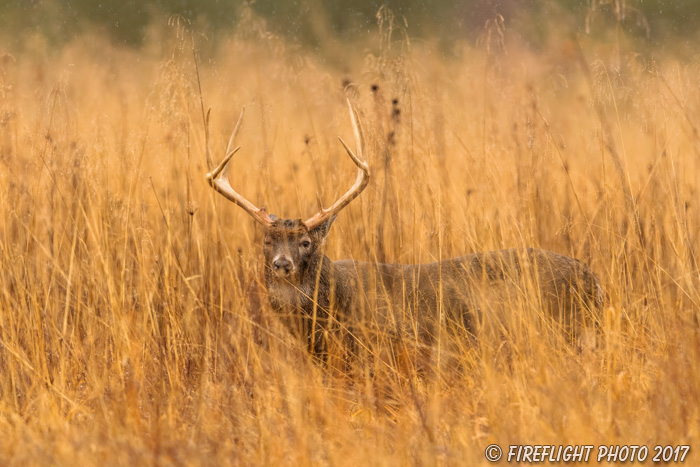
323,229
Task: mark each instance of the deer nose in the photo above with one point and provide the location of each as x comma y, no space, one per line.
282,265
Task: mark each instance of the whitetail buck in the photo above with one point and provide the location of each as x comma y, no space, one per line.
364,302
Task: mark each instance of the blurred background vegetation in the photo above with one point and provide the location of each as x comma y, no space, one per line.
670,25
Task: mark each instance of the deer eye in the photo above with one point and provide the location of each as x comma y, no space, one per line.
305,244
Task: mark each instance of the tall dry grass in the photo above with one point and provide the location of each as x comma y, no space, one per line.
133,324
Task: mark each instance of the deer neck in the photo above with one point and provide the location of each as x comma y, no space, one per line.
311,284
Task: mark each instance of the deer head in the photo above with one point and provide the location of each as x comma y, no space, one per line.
293,248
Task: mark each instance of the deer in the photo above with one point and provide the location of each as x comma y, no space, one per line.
350,301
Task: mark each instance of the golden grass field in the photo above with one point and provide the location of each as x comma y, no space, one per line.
134,326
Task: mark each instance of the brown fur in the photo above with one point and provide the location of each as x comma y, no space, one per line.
336,303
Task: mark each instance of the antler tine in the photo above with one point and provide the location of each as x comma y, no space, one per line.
360,183
215,173
218,178
235,131
357,131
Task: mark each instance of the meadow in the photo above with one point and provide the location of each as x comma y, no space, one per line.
134,325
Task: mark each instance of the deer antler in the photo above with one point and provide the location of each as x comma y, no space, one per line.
360,183
218,178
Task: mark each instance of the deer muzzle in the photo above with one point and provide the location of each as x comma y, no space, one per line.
282,266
